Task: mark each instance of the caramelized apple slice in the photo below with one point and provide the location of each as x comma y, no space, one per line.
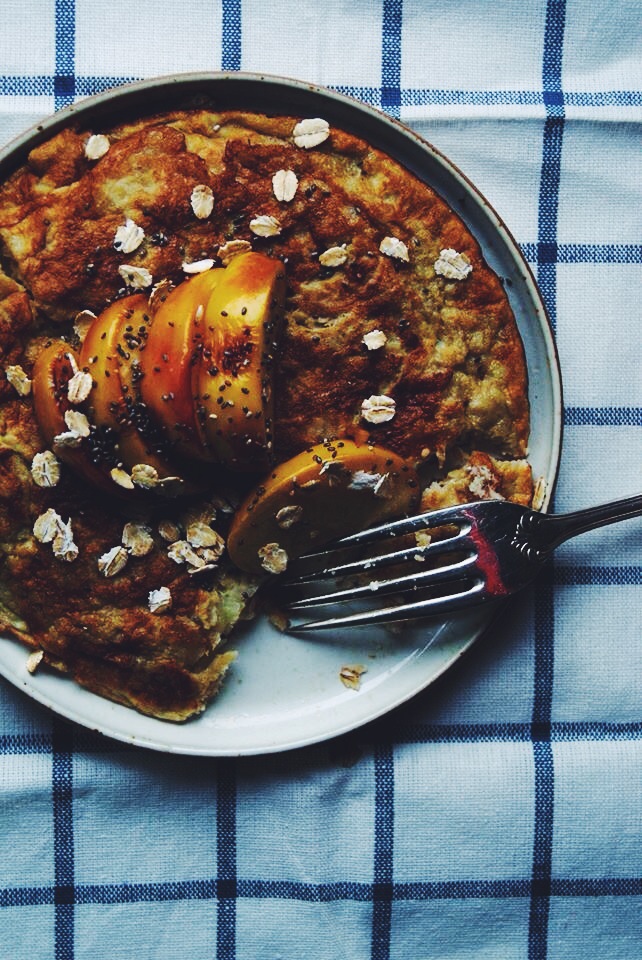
53,370
167,363
109,353
235,371
330,490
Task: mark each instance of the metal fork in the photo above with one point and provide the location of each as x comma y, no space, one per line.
487,550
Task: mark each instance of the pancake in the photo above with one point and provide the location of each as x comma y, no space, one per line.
390,306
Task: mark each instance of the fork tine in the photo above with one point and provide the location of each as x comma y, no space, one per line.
428,552
424,521
451,571
436,606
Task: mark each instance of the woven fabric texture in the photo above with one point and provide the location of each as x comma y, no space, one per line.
496,816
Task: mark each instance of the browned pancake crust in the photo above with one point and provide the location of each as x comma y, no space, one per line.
101,629
453,361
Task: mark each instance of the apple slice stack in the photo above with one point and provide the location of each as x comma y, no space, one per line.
184,380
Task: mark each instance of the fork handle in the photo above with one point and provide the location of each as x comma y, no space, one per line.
556,528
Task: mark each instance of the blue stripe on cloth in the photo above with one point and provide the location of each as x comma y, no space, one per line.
63,829
226,885
548,205
355,892
542,849
391,57
24,744
603,416
21,744
43,84
88,86
547,213
65,79
34,86
540,731
464,98
513,732
552,61
596,576
500,889
582,252
231,30
382,892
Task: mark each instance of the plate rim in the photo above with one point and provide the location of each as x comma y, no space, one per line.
13,154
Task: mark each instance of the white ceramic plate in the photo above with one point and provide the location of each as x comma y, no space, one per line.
284,691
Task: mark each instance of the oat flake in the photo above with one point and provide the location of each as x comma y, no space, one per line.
128,237
334,256
145,476
47,526
79,387
112,562
453,265
286,517
395,248
67,439
159,600
350,675
232,249
169,531
82,323
45,469
202,568
311,132
202,201
77,422
265,226
200,534
378,409
34,660
96,146
374,339
18,380
137,539
284,185
137,278
63,544
198,266
182,552
273,558
122,478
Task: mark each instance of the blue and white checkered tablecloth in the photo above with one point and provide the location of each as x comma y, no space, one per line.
496,816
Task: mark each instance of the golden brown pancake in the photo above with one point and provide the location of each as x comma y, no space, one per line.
370,252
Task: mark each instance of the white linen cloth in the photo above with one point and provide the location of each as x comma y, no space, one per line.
497,815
